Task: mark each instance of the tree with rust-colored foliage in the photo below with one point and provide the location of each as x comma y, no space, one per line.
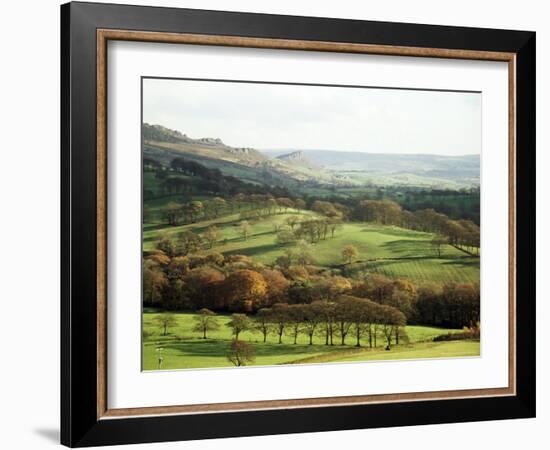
349,253
243,290
241,353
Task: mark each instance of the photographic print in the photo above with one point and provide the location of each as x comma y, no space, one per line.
308,224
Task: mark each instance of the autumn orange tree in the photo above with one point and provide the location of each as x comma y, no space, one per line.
154,281
349,253
243,290
201,284
330,288
276,287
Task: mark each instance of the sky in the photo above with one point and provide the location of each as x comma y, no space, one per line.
276,116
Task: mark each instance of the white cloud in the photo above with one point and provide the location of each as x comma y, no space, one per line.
317,117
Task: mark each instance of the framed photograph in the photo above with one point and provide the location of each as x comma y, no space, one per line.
277,224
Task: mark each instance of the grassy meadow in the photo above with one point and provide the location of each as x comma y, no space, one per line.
389,250
183,348
298,242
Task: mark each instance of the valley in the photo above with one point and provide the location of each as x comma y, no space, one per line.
294,256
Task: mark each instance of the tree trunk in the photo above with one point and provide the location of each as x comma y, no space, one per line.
370,336
204,333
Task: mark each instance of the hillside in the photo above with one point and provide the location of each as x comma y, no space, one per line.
298,158
388,250
159,137
317,169
410,169
163,145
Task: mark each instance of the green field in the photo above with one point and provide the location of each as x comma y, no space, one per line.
218,239
183,348
392,251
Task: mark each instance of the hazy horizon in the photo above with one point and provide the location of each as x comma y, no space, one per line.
280,117
289,150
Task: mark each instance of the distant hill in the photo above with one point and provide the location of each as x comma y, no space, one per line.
462,169
164,144
174,141
298,158
296,168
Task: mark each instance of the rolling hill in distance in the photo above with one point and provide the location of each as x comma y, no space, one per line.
287,167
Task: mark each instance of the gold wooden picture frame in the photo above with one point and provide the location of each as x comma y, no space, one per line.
105,35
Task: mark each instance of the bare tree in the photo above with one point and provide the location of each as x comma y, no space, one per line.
262,322
165,321
391,320
312,319
244,228
238,324
205,321
241,353
344,316
296,317
280,319
438,242
212,235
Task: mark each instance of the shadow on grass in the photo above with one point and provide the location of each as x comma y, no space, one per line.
464,262
155,227
254,251
220,347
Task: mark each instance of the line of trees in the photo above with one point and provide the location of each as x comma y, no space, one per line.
238,284
461,233
345,318
185,177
